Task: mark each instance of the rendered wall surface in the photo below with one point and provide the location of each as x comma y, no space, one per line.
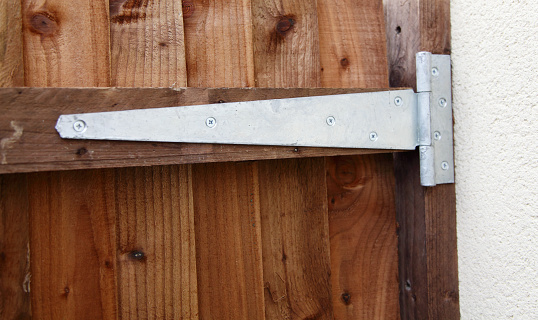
495,88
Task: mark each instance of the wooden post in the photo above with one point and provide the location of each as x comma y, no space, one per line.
426,216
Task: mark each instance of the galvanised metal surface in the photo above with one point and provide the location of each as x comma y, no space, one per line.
343,121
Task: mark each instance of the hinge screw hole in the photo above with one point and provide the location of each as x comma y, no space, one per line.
437,135
444,165
79,126
435,72
442,102
373,136
398,101
331,121
211,122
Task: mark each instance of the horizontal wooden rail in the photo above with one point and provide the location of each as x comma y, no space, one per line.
29,141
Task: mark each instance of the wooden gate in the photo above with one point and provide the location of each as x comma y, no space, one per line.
94,229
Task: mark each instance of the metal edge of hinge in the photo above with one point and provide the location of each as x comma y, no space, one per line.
434,99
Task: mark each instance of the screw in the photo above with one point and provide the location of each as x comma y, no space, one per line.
211,122
437,135
435,72
331,121
373,136
442,102
398,101
79,126
444,165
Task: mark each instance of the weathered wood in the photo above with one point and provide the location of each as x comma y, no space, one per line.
156,269
14,248
14,231
11,58
364,259
155,222
30,114
229,259
218,41
66,43
72,245
426,216
72,216
147,47
296,262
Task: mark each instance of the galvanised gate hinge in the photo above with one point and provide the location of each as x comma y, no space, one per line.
392,119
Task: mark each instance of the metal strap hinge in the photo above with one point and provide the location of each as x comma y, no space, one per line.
391,119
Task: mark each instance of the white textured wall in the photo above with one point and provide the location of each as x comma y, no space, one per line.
495,88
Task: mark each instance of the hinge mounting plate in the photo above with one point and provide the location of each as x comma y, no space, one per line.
391,119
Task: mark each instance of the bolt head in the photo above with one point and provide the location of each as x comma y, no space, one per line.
211,122
444,165
437,135
331,121
398,101
79,126
435,72
373,136
442,102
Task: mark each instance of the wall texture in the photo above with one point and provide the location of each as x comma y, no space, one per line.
495,83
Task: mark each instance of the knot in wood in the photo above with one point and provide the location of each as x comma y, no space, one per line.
188,8
43,23
284,25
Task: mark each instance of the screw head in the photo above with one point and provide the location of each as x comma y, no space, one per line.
331,121
435,72
79,126
437,135
442,102
444,165
211,122
398,101
373,136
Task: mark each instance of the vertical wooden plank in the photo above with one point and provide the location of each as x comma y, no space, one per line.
11,62
362,221
352,44
155,234
295,229
14,232
292,192
72,236
426,216
147,44
66,43
218,38
14,248
72,245
155,222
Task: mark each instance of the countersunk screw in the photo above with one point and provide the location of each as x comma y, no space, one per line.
211,122
373,136
437,135
331,121
398,101
79,126
442,102
435,72
444,165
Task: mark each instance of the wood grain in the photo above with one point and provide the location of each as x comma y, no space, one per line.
295,239
364,258
352,44
14,229
11,58
294,212
30,114
426,216
14,248
228,240
66,43
218,41
147,44
72,245
156,258
72,216
286,43
229,260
